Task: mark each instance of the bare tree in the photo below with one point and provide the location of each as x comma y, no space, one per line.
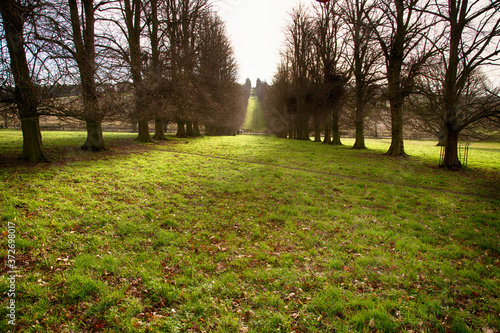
330,49
405,39
364,58
84,54
15,14
473,39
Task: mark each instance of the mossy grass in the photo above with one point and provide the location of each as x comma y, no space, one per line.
250,234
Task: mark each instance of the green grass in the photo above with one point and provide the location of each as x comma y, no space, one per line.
250,234
254,120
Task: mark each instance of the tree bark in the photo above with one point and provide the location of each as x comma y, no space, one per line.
159,131
181,131
189,129
317,128
360,126
143,135
451,160
95,141
33,149
328,136
196,128
26,96
336,128
397,141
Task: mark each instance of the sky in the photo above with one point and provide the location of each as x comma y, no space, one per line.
256,31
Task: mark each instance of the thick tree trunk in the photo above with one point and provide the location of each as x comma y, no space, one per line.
336,128
451,160
159,131
181,130
397,141
95,141
189,129
143,135
26,94
360,126
196,128
33,150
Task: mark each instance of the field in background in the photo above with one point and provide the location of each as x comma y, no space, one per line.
254,121
250,234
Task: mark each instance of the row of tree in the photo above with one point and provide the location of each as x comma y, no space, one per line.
421,60
167,60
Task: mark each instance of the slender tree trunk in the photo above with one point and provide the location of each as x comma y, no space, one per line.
328,135
336,128
26,96
181,130
317,128
95,141
159,130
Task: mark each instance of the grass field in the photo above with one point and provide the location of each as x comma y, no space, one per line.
249,234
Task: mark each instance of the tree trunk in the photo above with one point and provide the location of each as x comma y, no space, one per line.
143,135
442,138
397,142
189,129
26,95
181,131
159,131
360,126
95,141
196,128
328,135
336,128
317,129
33,150
451,160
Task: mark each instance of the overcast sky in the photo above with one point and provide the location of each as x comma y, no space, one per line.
256,30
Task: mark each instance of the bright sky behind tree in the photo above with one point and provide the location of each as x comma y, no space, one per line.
256,29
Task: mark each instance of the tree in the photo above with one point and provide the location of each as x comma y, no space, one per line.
330,48
364,60
27,96
473,37
128,18
299,45
183,19
404,37
219,95
84,55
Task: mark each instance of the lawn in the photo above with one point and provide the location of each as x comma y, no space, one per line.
254,121
248,234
